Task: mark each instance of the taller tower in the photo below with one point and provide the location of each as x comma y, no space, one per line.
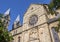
6,18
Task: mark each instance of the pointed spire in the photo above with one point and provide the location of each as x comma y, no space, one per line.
7,12
17,19
17,22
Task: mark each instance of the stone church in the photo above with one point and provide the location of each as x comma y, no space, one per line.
38,25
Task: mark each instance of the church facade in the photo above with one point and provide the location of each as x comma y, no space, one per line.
38,25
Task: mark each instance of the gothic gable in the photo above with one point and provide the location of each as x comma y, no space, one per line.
34,15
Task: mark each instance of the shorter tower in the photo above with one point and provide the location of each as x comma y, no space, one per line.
16,23
6,18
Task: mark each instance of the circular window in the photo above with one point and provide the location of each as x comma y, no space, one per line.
33,19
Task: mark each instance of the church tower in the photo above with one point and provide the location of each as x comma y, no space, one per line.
6,18
16,23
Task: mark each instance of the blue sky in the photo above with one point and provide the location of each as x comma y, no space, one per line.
18,7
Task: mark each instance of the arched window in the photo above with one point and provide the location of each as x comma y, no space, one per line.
54,35
19,39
